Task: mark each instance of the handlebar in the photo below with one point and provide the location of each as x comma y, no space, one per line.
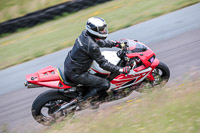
124,46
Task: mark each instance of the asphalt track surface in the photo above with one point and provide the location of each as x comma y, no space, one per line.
174,37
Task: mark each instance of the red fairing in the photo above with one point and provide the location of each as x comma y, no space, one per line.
153,66
148,54
144,57
122,79
140,68
48,77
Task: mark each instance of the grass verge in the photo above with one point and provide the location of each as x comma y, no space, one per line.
162,110
61,33
10,9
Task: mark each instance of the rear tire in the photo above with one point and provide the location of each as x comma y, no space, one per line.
51,101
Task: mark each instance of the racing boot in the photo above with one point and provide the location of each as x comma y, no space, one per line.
91,93
91,97
103,96
95,102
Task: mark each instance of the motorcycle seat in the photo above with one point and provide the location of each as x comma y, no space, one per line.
65,80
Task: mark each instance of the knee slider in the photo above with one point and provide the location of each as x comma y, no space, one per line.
106,85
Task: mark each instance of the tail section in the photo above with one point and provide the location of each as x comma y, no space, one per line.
47,77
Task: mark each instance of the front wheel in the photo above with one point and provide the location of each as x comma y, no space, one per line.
161,74
45,106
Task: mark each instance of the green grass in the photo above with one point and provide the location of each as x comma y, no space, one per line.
167,110
61,33
10,9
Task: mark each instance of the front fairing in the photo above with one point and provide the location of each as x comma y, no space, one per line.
135,50
141,51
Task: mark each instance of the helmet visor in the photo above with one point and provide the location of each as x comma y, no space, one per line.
103,29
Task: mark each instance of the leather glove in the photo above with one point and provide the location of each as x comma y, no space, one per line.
125,70
117,44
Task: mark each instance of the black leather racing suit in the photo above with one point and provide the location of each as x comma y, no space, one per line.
79,59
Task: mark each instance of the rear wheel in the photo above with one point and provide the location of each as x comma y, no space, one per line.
45,106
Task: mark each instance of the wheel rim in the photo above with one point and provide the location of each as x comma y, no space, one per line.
47,112
159,76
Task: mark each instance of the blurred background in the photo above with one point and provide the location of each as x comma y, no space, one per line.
38,33
13,9
57,27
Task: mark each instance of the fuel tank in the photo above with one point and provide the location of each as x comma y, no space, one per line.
111,56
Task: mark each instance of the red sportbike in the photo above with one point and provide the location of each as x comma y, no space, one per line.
64,99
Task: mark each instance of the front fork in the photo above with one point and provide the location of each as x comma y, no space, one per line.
153,66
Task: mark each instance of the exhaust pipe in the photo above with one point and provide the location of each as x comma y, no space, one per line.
66,105
29,85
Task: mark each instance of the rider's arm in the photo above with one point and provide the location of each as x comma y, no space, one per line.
105,43
95,54
109,43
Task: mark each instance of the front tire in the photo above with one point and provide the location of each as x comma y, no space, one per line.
161,74
46,104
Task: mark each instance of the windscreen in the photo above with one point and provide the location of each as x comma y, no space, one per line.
135,47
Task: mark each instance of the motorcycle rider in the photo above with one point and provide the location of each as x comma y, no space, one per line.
85,50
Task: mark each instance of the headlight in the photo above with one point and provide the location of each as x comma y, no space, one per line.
152,59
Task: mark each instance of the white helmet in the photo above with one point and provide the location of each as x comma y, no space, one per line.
97,27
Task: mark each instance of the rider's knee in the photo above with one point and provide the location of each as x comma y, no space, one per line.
106,85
